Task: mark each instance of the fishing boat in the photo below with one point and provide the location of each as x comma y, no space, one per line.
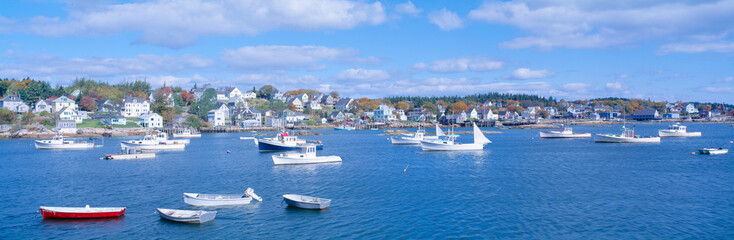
677,130
199,199
152,142
186,133
81,212
186,216
567,132
163,137
128,153
412,139
306,202
307,156
60,142
283,141
627,136
713,151
344,128
448,142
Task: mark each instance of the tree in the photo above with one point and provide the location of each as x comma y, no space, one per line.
457,107
278,106
88,103
207,102
334,94
193,121
402,105
187,97
6,116
430,107
266,91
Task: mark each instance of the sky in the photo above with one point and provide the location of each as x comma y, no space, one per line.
660,50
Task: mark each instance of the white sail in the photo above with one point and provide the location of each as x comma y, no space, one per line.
439,132
478,136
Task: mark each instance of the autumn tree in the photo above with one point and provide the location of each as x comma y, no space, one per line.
429,107
187,97
457,107
88,103
402,105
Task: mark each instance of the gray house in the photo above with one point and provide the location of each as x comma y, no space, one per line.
345,104
337,116
14,103
43,105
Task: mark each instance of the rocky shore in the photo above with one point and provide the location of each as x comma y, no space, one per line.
40,131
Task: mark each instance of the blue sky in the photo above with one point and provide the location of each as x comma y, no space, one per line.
659,50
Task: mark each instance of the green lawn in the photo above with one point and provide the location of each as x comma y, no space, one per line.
90,124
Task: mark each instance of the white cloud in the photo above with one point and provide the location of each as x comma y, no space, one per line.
363,74
526,73
408,8
617,87
284,57
721,47
622,76
418,67
584,24
179,23
719,89
55,67
727,79
445,20
478,64
577,87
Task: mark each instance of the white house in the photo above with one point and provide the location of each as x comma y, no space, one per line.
384,113
473,113
233,92
66,126
250,95
691,109
150,120
14,103
133,107
316,105
400,115
290,116
222,106
488,114
296,102
216,117
222,96
69,114
43,105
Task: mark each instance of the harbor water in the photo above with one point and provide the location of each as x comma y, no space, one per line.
520,187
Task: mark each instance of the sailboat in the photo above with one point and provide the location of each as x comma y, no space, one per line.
447,142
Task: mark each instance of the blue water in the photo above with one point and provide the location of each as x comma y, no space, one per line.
519,187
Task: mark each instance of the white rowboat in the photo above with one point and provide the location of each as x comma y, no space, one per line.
713,151
198,199
186,216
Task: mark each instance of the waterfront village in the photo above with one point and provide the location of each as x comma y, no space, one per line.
33,108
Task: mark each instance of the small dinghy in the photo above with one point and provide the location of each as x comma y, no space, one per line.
198,199
81,212
187,216
307,156
713,151
306,202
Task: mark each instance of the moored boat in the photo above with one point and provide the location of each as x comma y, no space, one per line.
448,142
627,136
186,216
412,139
344,128
128,153
567,132
284,142
60,142
186,133
81,212
713,151
307,156
152,142
199,199
677,130
306,202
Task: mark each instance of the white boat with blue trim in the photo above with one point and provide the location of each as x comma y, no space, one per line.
307,156
200,199
60,142
627,136
416,138
187,216
677,130
306,202
283,141
567,132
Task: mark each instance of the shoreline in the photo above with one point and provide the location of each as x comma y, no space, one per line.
37,132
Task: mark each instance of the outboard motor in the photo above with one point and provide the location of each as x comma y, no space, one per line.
251,193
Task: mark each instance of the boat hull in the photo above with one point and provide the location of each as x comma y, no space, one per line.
343,129
129,156
178,135
404,141
305,203
186,216
442,146
283,160
80,213
196,199
664,133
552,134
179,146
602,138
265,145
41,145
713,151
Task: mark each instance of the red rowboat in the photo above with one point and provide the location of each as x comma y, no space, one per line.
81,212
